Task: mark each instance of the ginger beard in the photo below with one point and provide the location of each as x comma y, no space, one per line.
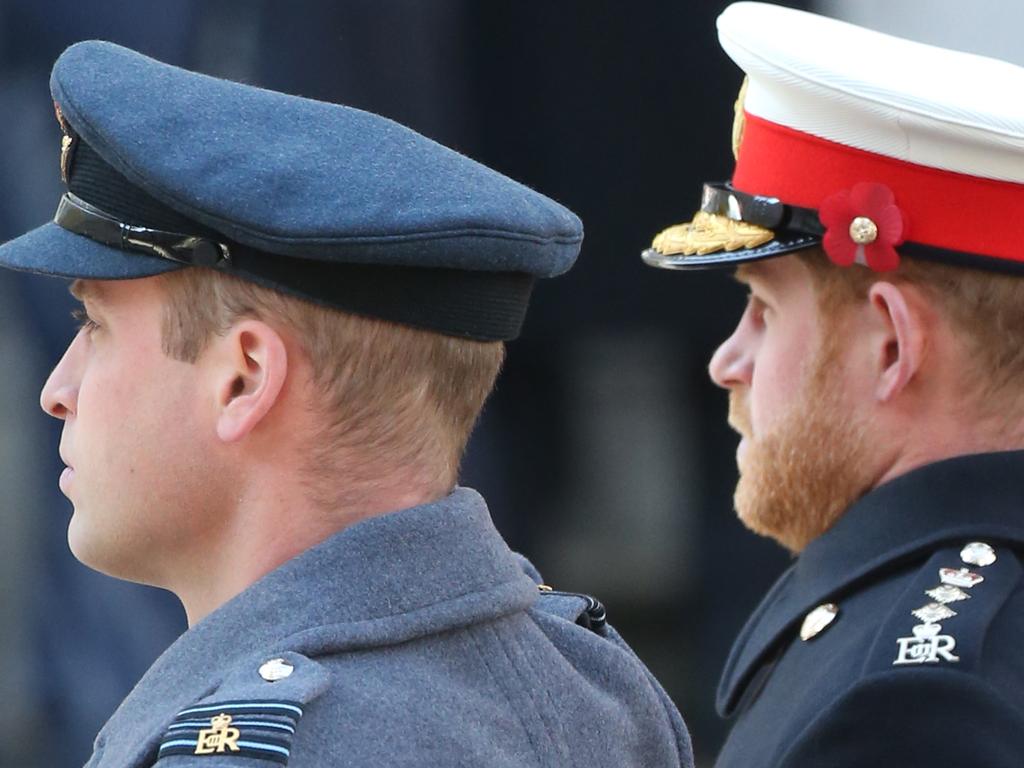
798,478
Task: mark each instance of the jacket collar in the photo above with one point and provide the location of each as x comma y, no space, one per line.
972,496
382,581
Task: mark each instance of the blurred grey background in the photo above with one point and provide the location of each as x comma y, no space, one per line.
604,453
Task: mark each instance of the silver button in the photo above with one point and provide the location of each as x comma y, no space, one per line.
978,553
817,620
276,669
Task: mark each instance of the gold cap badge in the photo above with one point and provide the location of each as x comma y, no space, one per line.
67,144
708,233
739,121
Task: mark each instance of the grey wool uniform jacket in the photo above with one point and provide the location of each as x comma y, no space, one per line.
411,639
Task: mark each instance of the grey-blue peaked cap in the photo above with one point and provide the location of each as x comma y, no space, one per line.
168,168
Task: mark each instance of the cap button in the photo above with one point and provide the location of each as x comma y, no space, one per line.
276,669
863,230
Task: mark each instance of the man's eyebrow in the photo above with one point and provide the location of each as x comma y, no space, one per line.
86,289
745,274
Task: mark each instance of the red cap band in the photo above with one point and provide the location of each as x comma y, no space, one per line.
943,209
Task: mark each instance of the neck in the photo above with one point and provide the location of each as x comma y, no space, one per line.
932,440
271,523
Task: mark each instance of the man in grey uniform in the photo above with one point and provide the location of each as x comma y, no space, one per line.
293,312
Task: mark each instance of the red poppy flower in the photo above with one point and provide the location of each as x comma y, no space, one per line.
863,225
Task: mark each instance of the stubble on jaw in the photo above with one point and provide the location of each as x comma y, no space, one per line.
797,480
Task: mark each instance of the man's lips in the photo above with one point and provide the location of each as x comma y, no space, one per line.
67,475
741,449
65,479
738,419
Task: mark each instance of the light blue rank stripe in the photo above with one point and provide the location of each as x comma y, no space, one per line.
268,747
246,744
227,707
178,743
253,723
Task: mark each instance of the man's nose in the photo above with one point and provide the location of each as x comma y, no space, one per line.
59,396
732,364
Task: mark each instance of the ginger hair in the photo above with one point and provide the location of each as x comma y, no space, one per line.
984,307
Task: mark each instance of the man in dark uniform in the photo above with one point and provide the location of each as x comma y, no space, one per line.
293,312
875,215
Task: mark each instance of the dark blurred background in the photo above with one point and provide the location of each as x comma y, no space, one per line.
604,452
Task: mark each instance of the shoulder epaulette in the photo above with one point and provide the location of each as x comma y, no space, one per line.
943,616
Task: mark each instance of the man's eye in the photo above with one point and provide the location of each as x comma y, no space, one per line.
85,322
756,307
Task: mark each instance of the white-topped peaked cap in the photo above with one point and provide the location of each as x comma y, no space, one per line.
854,86
864,141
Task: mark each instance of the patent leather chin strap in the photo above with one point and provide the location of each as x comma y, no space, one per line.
82,218
768,212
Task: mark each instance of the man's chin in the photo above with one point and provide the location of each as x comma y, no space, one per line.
793,502
760,512
89,548
79,540
110,553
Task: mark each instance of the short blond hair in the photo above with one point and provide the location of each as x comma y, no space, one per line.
394,395
985,307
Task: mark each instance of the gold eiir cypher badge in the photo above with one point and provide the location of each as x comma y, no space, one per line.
218,737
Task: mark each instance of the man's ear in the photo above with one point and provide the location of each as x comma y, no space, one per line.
903,337
250,370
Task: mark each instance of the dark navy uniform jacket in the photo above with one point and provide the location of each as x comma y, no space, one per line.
414,638
882,685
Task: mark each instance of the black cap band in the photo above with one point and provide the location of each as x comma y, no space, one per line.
104,206
722,199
